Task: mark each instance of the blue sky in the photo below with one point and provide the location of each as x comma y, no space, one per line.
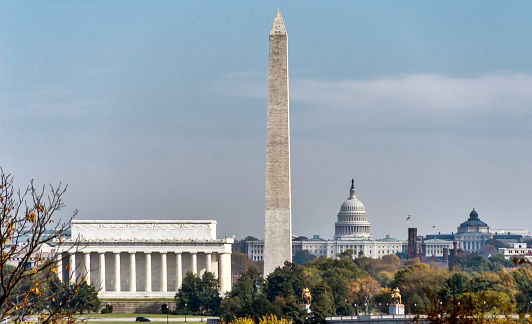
158,109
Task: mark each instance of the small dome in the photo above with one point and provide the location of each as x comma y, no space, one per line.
473,214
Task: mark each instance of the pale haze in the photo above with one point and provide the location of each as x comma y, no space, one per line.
157,110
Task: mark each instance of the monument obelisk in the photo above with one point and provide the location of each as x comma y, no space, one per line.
278,220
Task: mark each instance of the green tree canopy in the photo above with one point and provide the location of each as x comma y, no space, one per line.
303,256
198,295
288,280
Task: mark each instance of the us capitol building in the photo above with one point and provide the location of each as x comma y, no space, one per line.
352,230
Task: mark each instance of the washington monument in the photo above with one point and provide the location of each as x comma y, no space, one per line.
278,220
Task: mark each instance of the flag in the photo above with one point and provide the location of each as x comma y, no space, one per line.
408,218
433,226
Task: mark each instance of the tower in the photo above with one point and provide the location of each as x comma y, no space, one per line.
412,243
278,214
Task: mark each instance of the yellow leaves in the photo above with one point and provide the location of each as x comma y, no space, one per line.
239,320
272,319
40,208
53,270
67,267
30,217
2,199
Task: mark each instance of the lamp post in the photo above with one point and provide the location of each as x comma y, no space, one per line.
483,310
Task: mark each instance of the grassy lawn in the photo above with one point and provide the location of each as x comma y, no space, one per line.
115,315
109,300
133,321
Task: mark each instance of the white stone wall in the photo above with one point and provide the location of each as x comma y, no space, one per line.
144,229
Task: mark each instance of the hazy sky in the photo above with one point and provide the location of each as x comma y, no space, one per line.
157,110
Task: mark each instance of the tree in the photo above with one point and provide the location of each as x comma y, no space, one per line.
496,243
246,297
322,303
455,285
240,246
209,293
487,249
239,263
345,268
198,295
302,256
410,262
28,226
347,254
470,263
286,281
384,278
83,298
290,309
485,281
499,258
361,290
419,279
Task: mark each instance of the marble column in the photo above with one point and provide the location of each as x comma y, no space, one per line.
163,272
117,271
208,262
178,271
132,272
148,271
72,268
102,270
194,263
87,260
225,272
59,266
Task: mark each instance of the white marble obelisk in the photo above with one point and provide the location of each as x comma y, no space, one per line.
278,220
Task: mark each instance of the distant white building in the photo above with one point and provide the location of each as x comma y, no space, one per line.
435,247
352,231
517,250
45,252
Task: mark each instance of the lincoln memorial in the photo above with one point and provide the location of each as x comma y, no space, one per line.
144,258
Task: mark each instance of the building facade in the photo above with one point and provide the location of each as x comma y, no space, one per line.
517,250
144,258
352,231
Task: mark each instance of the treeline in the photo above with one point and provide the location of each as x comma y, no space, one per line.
43,292
351,286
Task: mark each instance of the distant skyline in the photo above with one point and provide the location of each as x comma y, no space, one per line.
158,110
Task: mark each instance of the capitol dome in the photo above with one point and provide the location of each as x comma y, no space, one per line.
352,219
